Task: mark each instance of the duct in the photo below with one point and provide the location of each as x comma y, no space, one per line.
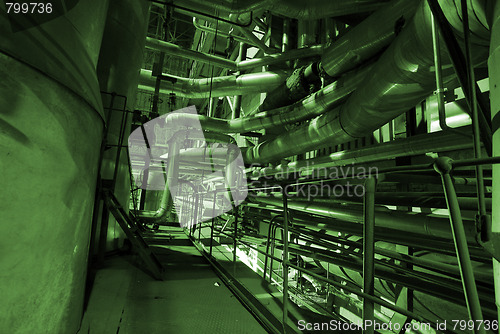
51,123
214,87
368,38
417,223
400,79
433,142
494,74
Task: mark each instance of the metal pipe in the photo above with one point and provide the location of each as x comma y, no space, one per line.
285,260
399,221
439,77
443,166
415,145
369,251
315,104
474,109
176,50
217,32
313,9
236,110
213,87
402,72
494,80
254,40
368,38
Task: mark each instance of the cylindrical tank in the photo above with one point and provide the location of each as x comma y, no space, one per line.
118,69
50,133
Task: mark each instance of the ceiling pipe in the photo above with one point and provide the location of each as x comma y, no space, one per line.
359,44
400,79
217,32
314,105
179,51
368,38
307,10
213,87
243,65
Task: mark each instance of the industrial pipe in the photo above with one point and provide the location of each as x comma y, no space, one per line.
422,224
494,78
400,79
420,144
213,87
314,9
368,38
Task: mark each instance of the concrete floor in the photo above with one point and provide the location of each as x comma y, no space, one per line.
191,299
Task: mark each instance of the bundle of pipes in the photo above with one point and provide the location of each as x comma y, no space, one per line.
401,78
313,9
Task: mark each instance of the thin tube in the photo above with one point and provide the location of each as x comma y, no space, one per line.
369,252
443,166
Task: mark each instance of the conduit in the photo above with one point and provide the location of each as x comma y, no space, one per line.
400,79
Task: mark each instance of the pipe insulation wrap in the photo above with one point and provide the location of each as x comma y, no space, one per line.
400,79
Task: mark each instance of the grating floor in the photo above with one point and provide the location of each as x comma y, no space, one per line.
191,299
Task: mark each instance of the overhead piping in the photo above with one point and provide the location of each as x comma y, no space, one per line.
400,79
213,87
309,10
176,50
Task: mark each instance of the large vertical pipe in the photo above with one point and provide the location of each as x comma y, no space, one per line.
50,132
494,73
124,34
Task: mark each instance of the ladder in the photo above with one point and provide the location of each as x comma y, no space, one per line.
133,233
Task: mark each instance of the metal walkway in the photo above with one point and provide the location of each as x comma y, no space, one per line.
191,299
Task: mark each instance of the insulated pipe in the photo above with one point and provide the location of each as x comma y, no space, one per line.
214,87
385,218
308,10
167,199
309,107
243,65
179,51
432,142
368,38
217,32
494,74
400,79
